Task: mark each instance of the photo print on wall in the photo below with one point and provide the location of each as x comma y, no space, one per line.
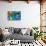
14,15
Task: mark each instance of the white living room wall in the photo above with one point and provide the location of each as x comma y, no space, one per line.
30,14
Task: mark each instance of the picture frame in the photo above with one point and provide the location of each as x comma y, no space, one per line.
14,15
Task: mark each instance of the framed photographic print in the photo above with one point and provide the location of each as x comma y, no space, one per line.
14,15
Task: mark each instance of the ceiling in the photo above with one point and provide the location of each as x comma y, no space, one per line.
24,0
20,0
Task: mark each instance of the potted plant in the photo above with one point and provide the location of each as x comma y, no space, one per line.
37,33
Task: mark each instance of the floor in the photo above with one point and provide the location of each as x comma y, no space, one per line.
35,43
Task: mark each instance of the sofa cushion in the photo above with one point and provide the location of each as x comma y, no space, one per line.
17,30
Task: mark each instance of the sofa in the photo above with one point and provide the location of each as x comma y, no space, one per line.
18,35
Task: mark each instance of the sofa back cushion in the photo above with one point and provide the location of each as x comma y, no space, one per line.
17,30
